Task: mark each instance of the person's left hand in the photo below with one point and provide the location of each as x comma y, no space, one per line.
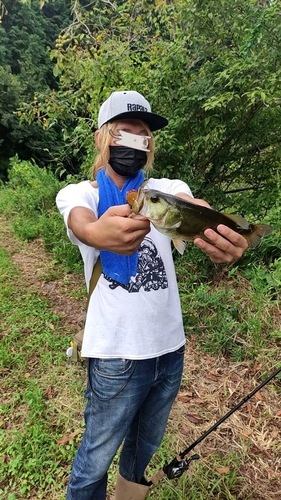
219,249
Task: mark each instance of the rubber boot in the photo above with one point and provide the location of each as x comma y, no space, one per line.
127,490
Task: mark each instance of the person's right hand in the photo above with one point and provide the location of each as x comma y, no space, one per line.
119,233
114,231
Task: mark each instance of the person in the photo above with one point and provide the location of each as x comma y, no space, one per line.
134,338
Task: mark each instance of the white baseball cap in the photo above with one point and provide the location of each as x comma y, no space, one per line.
129,104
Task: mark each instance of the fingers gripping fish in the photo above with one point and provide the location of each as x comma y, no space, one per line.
184,221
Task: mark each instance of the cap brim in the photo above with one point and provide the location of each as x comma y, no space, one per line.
154,121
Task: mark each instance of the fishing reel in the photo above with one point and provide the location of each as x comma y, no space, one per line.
176,468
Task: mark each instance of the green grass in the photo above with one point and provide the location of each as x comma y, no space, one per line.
235,318
33,369
215,478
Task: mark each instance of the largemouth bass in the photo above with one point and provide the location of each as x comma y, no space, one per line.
184,221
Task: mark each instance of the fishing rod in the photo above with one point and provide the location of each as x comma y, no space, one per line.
180,464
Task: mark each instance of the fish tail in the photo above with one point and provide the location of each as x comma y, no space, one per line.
258,232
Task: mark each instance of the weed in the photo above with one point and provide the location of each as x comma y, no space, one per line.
30,351
234,319
28,200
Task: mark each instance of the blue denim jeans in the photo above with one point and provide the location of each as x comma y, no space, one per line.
128,401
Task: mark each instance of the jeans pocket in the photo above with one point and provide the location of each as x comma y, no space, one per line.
108,377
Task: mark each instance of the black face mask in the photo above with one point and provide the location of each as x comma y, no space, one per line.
126,161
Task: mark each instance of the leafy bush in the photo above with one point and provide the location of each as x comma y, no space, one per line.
215,78
28,200
30,190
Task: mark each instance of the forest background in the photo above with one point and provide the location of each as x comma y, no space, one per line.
213,68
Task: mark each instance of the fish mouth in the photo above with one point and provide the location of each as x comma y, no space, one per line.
142,204
136,200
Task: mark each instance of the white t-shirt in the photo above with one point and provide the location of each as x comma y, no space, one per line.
143,319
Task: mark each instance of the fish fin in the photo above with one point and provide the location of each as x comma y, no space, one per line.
179,245
259,231
175,226
240,221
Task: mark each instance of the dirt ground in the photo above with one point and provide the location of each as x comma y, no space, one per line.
210,387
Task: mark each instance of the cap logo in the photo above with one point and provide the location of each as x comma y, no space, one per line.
136,107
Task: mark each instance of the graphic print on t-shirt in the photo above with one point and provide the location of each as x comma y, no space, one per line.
151,274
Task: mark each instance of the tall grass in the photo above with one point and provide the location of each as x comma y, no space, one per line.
28,201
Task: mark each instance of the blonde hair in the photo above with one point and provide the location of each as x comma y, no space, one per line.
103,140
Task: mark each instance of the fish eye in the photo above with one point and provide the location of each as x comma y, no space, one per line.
154,199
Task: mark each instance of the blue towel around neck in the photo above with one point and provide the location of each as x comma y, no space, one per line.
118,267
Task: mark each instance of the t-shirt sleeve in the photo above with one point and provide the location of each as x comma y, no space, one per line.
170,186
75,195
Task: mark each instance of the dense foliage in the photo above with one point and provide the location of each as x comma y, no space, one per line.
211,67
26,36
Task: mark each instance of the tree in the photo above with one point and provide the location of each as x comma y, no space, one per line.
26,36
212,67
